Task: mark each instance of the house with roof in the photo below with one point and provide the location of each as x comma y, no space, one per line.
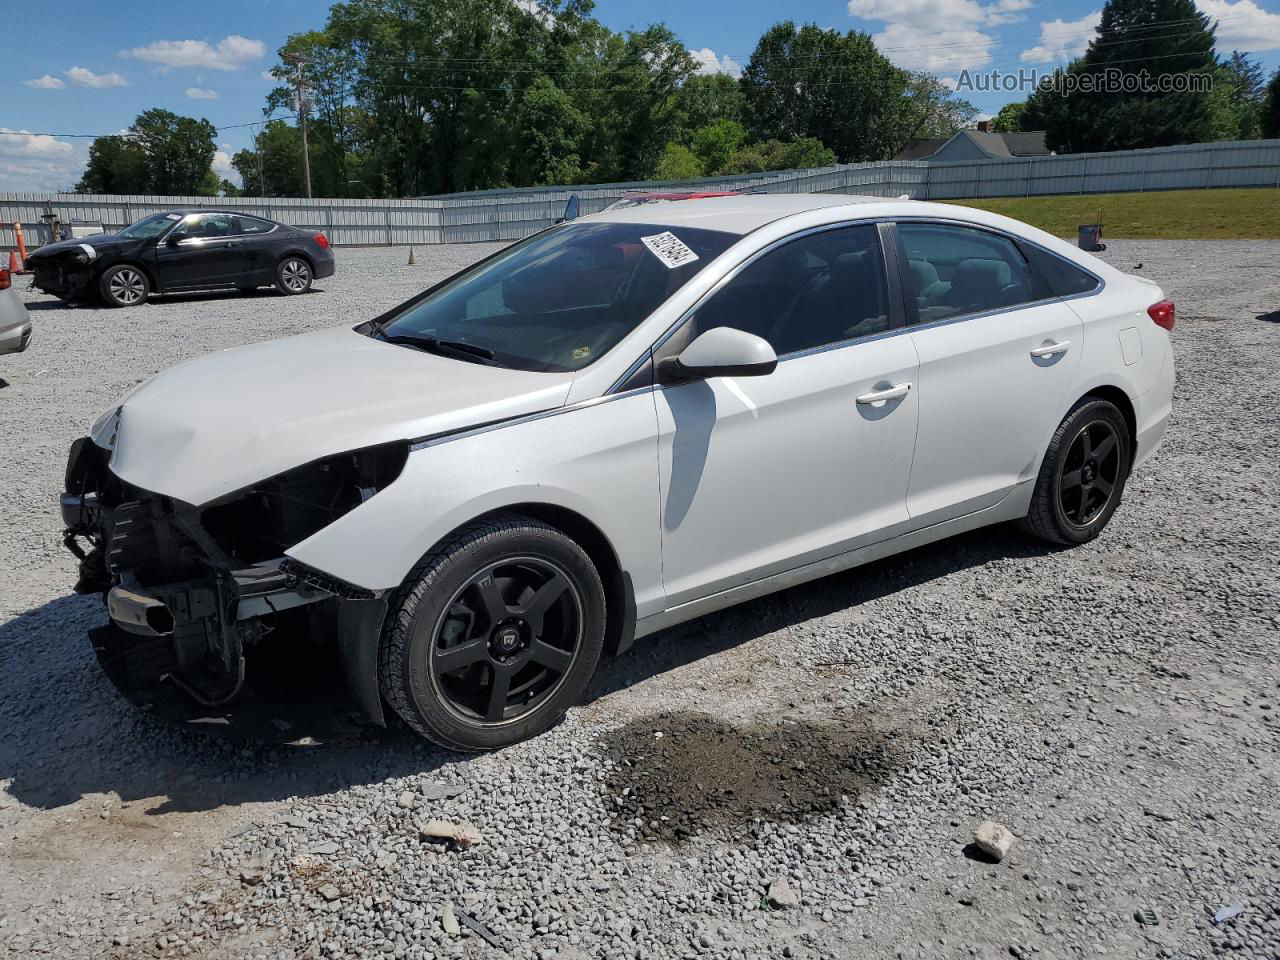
979,144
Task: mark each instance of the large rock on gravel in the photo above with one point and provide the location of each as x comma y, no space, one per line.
993,839
780,894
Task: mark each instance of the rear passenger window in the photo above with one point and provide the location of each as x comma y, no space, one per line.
957,270
1060,278
821,289
254,225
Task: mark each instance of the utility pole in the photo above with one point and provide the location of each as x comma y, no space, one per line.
299,86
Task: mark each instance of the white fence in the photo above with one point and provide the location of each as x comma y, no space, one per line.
515,213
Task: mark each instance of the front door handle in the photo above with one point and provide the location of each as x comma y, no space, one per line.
888,393
1051,349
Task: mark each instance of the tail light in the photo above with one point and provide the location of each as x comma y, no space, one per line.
323,241
1163,313
5,279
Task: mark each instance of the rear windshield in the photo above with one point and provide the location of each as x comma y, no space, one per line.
562,299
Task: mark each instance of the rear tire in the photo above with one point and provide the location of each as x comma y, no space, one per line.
1083,475
293,276
124,286
493,635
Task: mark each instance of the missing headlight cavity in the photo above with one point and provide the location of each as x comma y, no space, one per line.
263,521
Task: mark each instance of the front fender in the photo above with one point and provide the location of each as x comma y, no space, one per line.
598,460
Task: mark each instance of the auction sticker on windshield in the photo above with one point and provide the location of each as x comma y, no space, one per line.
668,248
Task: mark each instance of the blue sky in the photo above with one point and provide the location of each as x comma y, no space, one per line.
88,67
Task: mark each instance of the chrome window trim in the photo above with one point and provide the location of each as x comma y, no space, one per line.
230,236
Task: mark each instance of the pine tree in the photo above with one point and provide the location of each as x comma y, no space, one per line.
1271,108
1137,41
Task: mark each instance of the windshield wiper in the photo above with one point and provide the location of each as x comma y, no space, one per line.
459,349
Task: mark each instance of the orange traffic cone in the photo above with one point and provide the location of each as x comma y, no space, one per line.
22,248
412,259
14,266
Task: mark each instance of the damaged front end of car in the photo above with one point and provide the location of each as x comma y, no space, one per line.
193,591
68,273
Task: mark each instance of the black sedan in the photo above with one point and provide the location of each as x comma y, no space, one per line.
180,251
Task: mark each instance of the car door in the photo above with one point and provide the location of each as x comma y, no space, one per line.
261,245
996,361
204,250
759,475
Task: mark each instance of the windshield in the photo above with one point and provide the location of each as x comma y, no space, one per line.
150,226
562,299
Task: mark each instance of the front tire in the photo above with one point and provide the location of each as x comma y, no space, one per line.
124,286
494,635
1083,474
293,276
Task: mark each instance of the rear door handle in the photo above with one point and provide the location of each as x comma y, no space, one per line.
888,393
1051,349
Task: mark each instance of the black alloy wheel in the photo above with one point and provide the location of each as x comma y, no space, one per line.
493,635
1090,473
506,640
1083,474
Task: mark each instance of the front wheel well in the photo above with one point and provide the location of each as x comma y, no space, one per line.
620,605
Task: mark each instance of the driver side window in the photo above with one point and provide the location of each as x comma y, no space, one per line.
821,289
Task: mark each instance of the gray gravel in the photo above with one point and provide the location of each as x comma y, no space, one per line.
1114,705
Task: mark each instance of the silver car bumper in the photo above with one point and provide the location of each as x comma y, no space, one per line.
15,325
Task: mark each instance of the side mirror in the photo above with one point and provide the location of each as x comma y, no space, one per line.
720,352
570,209
172,240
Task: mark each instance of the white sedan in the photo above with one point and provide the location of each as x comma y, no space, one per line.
615,425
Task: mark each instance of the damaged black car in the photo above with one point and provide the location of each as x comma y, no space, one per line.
181,251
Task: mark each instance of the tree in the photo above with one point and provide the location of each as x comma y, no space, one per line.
1236,101
707,97
1271,108
930,109
1133,49
834,87
116,165
162,153
1009,119
273,168
548,127
775,155
715,143
678,162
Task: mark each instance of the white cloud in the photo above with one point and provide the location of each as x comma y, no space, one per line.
270,77
708,62
933,49
35,162
44,83
1062,40
196,93
1243,25
937,35
87,78
230,53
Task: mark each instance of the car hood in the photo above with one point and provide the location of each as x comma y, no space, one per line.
216,424
99,241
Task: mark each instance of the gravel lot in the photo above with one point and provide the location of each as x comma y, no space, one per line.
1115,705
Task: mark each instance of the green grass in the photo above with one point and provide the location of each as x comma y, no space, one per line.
1228,214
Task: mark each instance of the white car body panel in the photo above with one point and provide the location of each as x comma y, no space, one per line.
598,460
984,404
728,446
707,492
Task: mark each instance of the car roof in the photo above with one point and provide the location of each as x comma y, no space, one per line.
735,213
